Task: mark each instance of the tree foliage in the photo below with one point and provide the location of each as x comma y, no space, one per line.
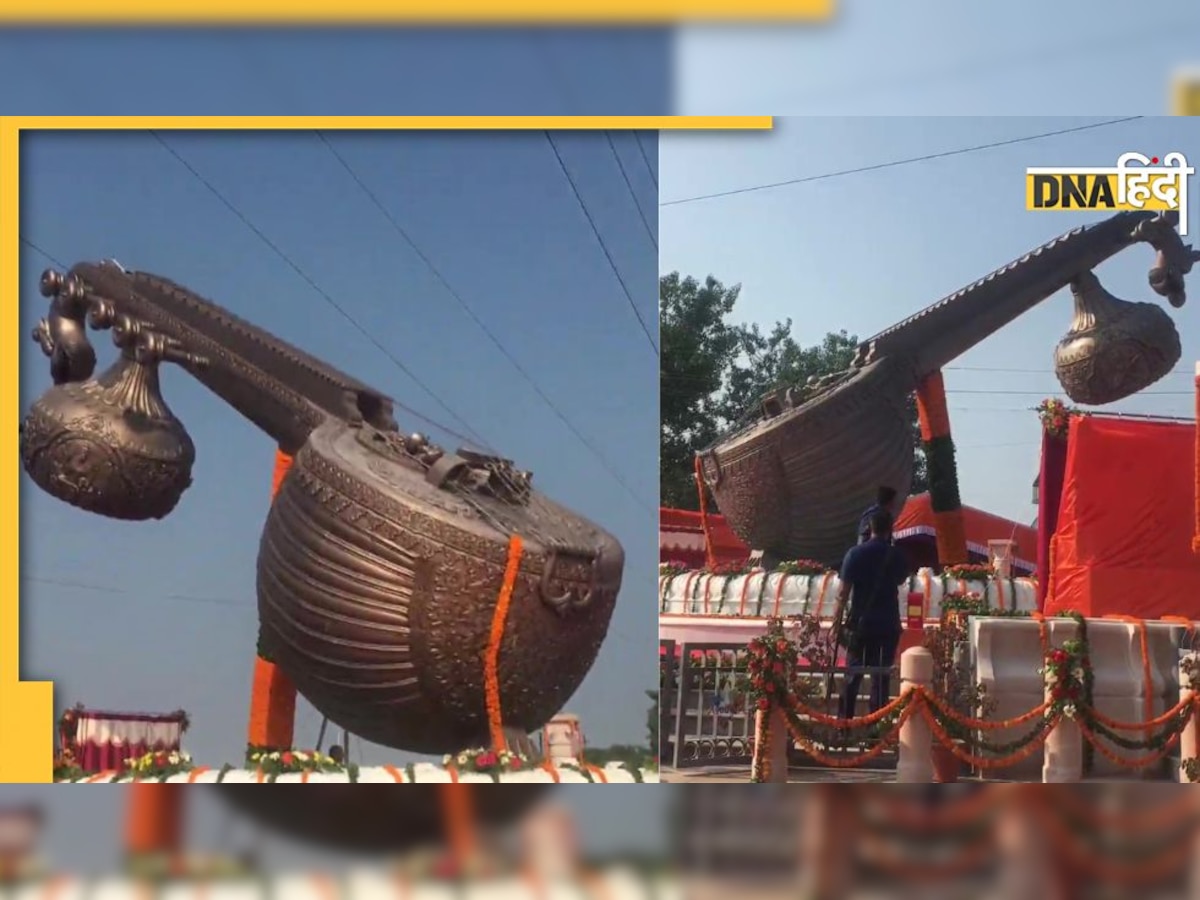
713,371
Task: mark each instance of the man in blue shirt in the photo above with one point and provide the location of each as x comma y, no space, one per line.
871,575
885,501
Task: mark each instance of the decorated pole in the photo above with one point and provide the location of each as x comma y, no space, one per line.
934,418
154,824
273,696
1056,420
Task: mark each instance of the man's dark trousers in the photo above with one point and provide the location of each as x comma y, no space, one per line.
878,649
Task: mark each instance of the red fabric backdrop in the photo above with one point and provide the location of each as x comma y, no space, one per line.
1050,489
1123,542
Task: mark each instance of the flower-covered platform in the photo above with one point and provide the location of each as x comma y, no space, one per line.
422,773
802,588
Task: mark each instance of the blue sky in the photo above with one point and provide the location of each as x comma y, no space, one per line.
169,620
945,57
861,252
351,71
85,836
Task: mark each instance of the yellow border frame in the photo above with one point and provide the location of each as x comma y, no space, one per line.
1184,85
27,708
412,12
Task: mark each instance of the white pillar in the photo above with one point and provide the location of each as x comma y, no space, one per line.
775,757
915,765
1063,759
1188,739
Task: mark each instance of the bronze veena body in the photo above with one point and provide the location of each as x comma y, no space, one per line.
383,554
793,479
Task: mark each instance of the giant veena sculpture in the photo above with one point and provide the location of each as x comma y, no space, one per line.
383,558
793,479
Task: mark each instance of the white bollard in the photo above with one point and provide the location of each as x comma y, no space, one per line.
775,753
1063,752
915,765
1188,739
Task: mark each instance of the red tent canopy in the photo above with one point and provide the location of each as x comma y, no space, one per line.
681,536
915,529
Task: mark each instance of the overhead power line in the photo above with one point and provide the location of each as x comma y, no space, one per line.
637,136
632,193
945,154
474,317
600,239
474,437
34,247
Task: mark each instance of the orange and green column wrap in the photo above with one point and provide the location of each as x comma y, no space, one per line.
273,696
942,470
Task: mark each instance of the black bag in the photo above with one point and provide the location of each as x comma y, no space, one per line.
853,638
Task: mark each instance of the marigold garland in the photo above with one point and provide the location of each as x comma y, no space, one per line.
491,661
970,572
959,813
701,489
914,700
1056,417
1099,867
803,567
973,858
1181,809
984,762
158,764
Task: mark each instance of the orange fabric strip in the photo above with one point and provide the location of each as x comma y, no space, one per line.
709,559
155,818
932,414
272,706
272,694
491,661
456,800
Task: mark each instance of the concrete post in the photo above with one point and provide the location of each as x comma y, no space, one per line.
1063,753
775,758
915,765
1188,740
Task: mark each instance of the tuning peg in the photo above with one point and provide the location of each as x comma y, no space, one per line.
51,283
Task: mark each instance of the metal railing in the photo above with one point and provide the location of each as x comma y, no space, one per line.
705,710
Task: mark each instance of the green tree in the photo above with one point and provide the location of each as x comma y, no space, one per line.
699,347
652,719
713,372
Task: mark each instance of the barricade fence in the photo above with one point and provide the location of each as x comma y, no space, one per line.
769,705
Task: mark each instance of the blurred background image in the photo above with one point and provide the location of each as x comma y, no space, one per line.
927,57
157,833
830,841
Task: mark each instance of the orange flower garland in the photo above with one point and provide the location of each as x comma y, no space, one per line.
491,663
709,559
973,858
885,742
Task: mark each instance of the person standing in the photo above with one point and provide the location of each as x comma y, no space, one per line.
871,574
885,501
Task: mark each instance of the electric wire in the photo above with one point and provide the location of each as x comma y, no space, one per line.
637,137
474,436
906,161
600,239
479,323
632,193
